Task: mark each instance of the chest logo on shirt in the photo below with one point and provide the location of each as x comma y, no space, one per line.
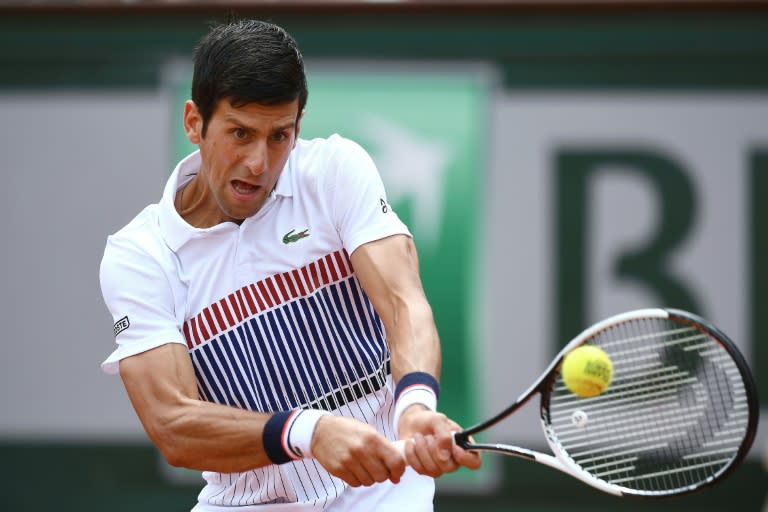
291,237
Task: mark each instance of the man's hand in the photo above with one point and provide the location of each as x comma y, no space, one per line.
355,452
429,447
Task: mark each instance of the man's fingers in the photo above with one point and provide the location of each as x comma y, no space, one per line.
368,471
466,458
418,454
362,473
348,476
440,454
432,449
443,452
394,464
355,452
429,458
379,462
377,469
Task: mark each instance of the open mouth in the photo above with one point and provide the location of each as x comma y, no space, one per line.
244,188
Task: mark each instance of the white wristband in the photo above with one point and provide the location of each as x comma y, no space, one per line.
415,394
300,431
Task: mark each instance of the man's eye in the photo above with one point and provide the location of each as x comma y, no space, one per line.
279,137
239,133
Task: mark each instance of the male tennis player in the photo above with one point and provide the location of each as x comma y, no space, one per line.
271,326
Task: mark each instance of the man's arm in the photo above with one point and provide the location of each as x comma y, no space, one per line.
195,434
388,271
190,433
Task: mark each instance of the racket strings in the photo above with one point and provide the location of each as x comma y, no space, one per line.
674,416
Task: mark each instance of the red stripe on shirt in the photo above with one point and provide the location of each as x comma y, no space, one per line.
187,335
221,325
323,272
252,294
296,276
270,283
241,308
200,325
341,262
349,262
281,285
329,261
228,306
211,324
293,293
307,279
315,275
265,294
195,332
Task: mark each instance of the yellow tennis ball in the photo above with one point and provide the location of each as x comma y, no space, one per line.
587,371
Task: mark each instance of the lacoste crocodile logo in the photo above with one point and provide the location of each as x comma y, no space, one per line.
290,237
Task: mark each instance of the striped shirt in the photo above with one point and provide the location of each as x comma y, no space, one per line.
271,311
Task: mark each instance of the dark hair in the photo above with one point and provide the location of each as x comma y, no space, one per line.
247,61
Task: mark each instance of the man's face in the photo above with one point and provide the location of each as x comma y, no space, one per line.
243,153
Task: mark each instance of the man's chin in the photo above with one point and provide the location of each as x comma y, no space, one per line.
238,215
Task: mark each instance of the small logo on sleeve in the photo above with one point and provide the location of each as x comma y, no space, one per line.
121,325
291,237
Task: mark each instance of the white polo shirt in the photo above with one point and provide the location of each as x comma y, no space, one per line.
270,310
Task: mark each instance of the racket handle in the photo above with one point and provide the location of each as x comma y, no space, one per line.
400,444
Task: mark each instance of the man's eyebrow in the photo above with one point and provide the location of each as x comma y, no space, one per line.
285,126
276,128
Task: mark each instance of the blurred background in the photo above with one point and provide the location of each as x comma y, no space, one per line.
557,161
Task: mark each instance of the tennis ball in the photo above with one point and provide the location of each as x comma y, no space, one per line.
587,371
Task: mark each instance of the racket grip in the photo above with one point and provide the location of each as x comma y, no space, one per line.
400,444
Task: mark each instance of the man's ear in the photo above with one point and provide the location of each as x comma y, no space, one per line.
193,122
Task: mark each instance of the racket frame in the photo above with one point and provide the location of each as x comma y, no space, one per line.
560,460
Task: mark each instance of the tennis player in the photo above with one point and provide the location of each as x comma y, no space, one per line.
271,326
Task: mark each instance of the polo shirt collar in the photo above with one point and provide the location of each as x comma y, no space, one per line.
284,186
174,229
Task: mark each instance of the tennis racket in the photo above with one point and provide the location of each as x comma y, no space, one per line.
680,414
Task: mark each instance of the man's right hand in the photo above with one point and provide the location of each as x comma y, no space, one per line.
355,452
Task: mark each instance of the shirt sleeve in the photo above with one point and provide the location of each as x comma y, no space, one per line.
359,202
140,298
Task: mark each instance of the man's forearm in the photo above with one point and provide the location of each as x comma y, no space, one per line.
414,342
212,437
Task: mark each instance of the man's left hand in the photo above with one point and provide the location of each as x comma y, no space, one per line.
429,447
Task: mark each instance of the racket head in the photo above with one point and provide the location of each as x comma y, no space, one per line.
680,414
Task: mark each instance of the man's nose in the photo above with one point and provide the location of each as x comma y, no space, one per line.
256,159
